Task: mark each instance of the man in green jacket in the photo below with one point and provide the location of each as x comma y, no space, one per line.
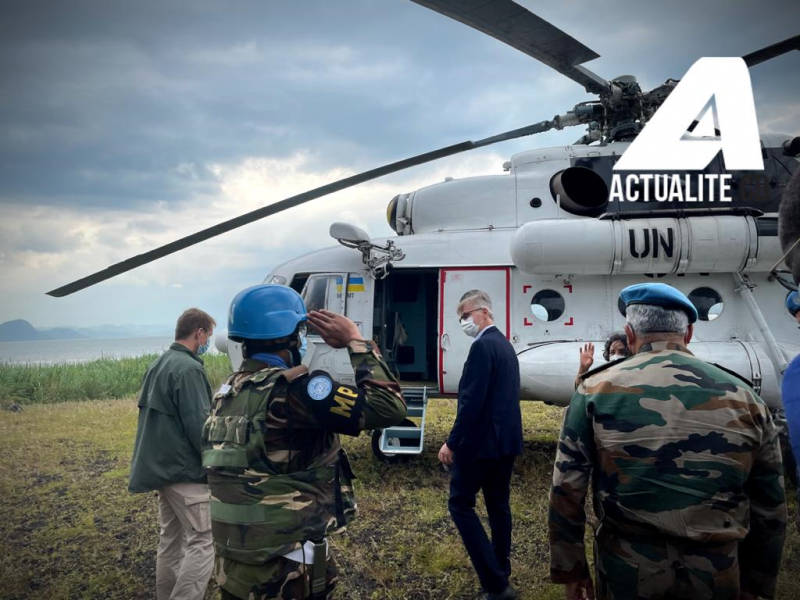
173,406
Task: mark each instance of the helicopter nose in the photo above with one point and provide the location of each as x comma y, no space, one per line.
221,341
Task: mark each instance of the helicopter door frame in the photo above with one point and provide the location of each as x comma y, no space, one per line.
463,279
323,356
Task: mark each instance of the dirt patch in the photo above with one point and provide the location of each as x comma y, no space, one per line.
43,479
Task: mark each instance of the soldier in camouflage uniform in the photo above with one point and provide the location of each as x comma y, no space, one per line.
685,468
279,478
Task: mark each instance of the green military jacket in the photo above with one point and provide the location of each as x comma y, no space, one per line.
277,472
173,406
676,449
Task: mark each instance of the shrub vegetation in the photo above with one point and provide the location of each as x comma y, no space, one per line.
106,378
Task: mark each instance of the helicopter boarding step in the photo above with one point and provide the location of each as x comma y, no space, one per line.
407,438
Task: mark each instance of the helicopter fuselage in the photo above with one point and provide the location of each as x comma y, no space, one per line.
555,276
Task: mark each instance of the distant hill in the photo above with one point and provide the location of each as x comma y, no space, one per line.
22,331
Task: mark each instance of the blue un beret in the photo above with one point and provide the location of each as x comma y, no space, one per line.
659,294
793,302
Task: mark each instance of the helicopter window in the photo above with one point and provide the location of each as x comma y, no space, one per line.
708,303
318,292
547,305
299,282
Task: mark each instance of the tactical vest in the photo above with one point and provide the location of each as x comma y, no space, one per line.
258,513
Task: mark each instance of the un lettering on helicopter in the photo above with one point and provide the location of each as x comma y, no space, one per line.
549,240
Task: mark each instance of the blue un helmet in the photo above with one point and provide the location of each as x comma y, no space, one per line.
793,303
265,312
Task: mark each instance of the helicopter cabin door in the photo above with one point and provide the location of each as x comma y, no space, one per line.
453,343
346,294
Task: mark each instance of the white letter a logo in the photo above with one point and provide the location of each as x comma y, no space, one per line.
661,145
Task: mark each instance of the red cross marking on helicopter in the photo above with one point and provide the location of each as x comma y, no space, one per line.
527,323
525,288
568,286
570,322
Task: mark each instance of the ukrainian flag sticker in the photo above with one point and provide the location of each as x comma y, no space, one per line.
354,284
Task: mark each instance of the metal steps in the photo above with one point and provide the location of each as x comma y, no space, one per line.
408,438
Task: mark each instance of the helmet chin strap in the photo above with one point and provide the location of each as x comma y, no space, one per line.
297,360
292,345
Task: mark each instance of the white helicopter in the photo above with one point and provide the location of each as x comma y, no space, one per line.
546,244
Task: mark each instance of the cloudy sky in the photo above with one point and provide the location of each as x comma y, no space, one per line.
125,125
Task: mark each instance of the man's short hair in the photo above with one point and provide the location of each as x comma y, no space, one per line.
191,320
478,299
647,319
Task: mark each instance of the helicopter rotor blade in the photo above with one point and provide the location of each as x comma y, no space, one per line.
516,26
266,211
772,51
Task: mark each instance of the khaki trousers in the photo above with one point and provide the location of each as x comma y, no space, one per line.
185,558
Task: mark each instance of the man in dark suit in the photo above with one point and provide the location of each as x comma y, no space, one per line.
485,439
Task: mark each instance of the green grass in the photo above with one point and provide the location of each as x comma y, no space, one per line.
96,380
70,529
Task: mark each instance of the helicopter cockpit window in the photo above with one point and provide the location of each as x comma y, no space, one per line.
323,291
708,303
547,305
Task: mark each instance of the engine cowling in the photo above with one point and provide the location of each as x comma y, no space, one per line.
660,245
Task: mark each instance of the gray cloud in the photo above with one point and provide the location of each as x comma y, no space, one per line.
104,101
115,112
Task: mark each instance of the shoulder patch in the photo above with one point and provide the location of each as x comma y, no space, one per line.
735,374
319,387
336,406
601,368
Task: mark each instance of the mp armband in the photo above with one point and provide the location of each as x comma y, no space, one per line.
337,407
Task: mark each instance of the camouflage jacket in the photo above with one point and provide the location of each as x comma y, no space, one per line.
277,472
676,449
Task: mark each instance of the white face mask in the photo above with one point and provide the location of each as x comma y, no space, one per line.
469,327
616,357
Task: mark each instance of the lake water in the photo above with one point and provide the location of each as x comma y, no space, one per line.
82,350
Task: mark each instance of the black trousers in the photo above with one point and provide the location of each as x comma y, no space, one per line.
493,476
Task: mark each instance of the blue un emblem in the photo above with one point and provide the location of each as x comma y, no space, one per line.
319,387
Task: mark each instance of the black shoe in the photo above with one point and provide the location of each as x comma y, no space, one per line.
507,594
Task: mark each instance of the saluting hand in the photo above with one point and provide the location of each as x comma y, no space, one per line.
336,330
587,356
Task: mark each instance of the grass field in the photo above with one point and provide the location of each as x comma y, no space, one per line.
70,529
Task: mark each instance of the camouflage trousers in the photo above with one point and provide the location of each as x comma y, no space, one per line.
653,569
279,579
